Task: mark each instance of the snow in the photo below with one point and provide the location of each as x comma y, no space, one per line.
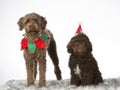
108,84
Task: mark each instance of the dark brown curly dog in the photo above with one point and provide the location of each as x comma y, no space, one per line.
83,66
35,49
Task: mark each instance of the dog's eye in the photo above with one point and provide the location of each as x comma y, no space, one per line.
35,20
27,21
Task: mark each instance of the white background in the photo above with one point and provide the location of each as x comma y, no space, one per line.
101,22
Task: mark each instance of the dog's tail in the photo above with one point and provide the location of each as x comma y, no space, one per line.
53,55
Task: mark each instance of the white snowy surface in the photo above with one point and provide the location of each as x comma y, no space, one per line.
109,84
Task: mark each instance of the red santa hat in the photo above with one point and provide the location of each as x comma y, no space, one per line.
79,29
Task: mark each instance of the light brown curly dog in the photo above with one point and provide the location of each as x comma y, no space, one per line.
83,65
36,42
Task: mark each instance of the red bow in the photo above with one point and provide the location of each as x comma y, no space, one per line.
24,43
40,43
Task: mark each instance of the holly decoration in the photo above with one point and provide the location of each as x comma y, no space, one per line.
31,47
43,36
40,43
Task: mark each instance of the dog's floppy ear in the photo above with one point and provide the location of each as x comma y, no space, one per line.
88,44
69,48
43,22
21,23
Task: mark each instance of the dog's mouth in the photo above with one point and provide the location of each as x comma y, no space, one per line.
79,53
33,31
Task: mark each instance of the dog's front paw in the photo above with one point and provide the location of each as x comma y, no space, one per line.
42,84
30,83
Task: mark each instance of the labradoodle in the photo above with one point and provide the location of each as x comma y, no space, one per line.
37,40
83,66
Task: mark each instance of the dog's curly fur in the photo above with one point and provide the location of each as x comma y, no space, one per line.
83,66
35,24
